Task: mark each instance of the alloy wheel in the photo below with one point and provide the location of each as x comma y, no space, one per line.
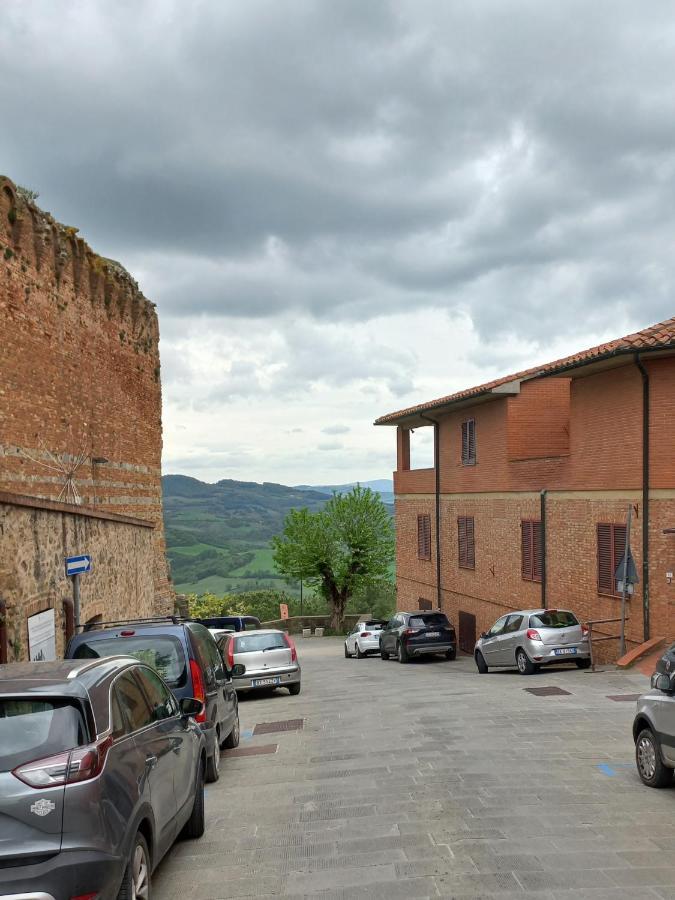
646,757
522,662
140,879
216,755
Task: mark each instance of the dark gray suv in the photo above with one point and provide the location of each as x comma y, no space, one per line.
101,769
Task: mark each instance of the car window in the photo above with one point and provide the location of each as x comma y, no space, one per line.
438,619
248,643
513,624
162,652
32,729
162,702
553,618
498,627
133,704
206,652
119,725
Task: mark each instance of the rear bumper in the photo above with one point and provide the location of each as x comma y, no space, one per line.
285,676
369,646
423,649
545,653
70,873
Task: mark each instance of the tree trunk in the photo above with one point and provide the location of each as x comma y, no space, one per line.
338,602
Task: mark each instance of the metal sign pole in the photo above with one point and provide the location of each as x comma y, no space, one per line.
76,601
624,584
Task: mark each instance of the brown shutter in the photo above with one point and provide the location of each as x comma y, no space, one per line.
537,551
461,536
424,537
526,550
470,546
465,537
619,542
468,442
605,571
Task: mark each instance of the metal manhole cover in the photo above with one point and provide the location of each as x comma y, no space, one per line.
252,751
285,725
619,697
546,691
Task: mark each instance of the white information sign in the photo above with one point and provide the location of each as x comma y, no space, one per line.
42,636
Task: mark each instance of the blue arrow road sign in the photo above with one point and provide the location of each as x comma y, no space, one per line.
77,565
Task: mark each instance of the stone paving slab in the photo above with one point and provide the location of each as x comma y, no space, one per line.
428,780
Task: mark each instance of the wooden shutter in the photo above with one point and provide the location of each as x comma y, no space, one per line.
469,442
537,551
531,550
526,550
619,544
470,545
465,538
424,537
611,542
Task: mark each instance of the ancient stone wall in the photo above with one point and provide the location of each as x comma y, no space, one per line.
79,377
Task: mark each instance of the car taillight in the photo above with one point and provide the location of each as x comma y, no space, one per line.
127,633
230,655
584,630
411,631
198,689
81,764
365,634
533,634
294,652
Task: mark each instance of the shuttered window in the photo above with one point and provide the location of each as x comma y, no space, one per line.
469,442
531,546
424,603
465,536
424,537
611,544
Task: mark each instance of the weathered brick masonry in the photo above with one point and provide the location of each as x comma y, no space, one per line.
79,375
573,429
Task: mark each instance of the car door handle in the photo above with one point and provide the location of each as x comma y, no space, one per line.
150,762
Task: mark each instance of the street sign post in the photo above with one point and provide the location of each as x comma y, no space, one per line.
625,577
283,609
76,566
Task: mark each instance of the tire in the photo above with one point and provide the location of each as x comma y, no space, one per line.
524,663
583,663
213,763
481,665
194,827
648,761
402,654
294,689
136,879
359,652
451,654
383,653
232,740
347,653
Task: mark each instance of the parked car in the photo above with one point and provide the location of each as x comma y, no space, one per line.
654,733
231,623
530,638
364,638
101,768
261,660
411,634
187,657
665,665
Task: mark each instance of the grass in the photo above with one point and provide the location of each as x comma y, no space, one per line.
261,562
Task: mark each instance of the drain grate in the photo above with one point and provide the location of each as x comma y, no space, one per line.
252,751
546,691
273,727
619,697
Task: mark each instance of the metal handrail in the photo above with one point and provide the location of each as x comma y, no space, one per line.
609,637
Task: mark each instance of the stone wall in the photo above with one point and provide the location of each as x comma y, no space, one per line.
36,537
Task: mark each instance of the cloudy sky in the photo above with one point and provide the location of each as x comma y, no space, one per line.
344,207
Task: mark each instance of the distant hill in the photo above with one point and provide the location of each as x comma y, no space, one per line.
383,486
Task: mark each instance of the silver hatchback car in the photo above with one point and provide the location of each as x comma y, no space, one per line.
654,732
261,659
530,638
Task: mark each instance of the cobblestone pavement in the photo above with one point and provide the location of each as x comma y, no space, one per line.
429,780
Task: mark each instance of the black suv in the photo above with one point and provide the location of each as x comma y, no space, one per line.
186,656
411,634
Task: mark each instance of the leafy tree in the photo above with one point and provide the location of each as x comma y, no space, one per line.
340,549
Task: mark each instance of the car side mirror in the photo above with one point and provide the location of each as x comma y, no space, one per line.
191,707
483,634
663,683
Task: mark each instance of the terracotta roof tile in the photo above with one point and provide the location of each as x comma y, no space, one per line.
661,335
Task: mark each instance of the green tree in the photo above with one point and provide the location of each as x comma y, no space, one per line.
340,549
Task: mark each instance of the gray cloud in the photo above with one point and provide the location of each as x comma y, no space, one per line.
335,429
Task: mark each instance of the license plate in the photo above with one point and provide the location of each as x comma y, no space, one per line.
265,682
565,651
433,634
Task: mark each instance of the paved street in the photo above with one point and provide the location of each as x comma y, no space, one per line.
429,780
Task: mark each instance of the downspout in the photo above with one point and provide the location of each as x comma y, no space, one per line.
69,615
3,632
437,471
645,496
542,516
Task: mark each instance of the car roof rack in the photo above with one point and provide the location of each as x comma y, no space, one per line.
148,620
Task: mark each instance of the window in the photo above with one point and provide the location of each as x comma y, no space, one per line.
611,544
498,627
531,550
469,442
435,620
163,653
513,624
31,728
423,603
162,703
257,642
467,550
133,704
424,537
554,618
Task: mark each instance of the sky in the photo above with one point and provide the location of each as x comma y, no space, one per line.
345,207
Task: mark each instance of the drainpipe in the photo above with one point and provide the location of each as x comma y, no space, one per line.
437,471
645,496
542,516
3,632
69,614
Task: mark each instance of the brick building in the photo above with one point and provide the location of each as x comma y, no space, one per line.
527,502
79,392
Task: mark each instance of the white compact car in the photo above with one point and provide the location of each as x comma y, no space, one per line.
364,638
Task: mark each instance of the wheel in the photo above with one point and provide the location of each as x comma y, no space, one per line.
294,689
136,880
359,652
232,740
481,665
524,663
347,653
451,654
383,653
648,759
213,763
583,663
194,827
402,653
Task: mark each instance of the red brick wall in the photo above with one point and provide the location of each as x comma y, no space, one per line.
79,371
538,419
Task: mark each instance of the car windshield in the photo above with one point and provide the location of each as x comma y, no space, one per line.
372,626
163,653
553,618
250,642
33,729
438,620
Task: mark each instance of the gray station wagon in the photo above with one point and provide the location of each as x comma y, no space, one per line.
101,769
654,733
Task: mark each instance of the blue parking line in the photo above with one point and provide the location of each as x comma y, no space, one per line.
246,735
605,769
